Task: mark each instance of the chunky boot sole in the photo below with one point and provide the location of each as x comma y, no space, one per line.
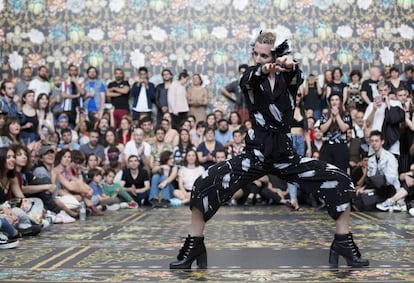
187,262
334,259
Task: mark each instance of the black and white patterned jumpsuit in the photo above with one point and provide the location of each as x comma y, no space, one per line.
269,151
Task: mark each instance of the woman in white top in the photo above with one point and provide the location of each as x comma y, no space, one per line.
177,99
187,175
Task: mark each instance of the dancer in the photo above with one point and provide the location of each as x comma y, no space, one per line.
270,87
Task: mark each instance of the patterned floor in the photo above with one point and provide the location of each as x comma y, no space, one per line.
262,244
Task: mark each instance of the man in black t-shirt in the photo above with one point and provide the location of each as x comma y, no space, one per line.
135,180
369,88
118,93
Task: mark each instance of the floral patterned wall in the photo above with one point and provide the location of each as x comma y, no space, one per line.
210,37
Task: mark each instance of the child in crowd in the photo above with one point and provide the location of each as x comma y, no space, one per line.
114,190
99,196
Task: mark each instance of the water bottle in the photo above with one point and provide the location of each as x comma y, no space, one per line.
82,211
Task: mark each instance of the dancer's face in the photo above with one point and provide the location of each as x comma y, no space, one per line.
262,53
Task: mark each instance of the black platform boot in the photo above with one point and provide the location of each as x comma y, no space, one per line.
344,245
193,249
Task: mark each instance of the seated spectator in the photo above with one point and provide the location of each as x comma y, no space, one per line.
135,180
397,201
184,145
115,193
93,146
188,173
111,140
207,148
274,193
71,186
163,179
42,184
66,142
138,147
198,136
222,134
158,146
382,175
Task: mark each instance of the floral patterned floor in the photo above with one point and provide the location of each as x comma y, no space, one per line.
262,244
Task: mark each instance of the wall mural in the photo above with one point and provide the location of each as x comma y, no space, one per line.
210,37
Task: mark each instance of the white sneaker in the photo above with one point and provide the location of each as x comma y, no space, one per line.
411,211
45,223
113,207
67,218
400,207
385,206
123,205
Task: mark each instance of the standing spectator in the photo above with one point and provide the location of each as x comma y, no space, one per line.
118,93
355,100
177,99
334,126
73,93
326,80
233,92
369,89
385,115
161,94
337,86
312,96
40,84
95,95
197,98
30,124
55,98
23,83
143,93
45,117
395,81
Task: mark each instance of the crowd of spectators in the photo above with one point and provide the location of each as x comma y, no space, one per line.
79,143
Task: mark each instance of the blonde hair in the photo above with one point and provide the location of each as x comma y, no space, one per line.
266,38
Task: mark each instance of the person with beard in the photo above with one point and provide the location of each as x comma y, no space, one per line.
55,99
161,94
222,133
95,95
73,93
93,147
118,93
40,84
23,84
7,102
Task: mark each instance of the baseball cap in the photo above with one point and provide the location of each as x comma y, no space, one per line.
63,117
45,149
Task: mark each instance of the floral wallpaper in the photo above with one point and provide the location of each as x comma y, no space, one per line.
210,37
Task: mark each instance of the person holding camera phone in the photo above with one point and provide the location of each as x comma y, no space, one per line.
385,115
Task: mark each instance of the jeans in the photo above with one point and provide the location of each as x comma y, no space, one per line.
166,193
298,143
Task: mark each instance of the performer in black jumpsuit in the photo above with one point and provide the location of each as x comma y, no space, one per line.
270,88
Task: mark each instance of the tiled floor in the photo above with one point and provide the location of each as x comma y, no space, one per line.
260,243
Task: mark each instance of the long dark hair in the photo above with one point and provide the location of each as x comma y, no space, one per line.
16,148
3,164
180,142
6,130
60,154
47,109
